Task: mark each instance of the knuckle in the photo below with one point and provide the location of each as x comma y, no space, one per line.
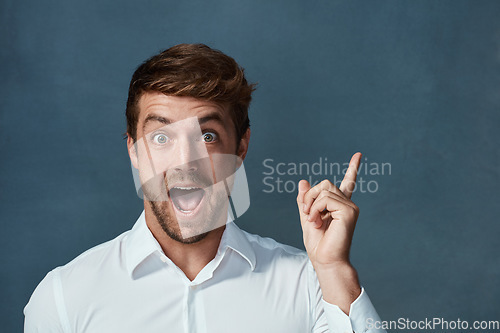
307,200
324,197
326,183
336,190
323,193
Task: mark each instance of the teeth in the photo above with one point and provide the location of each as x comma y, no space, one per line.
186,188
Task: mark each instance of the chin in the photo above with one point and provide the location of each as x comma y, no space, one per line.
192,228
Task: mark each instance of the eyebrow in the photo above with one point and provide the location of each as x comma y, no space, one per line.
153,117
211,117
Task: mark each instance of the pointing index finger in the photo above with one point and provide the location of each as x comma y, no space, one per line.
349,181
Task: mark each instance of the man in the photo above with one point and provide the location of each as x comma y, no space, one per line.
185,266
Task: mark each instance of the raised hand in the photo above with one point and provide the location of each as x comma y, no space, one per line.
328,218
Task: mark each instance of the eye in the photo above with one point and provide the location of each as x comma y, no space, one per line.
160,138
209,137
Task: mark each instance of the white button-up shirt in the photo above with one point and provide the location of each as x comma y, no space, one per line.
253,284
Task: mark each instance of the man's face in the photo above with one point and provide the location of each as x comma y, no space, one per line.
186,155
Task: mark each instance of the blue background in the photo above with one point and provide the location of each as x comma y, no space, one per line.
412,83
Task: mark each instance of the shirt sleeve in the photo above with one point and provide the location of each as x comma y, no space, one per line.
362,316
41,314
330,318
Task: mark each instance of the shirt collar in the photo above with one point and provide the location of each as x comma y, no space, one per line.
234,238
140,244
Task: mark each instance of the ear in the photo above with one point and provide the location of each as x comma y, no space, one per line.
243,147
132,151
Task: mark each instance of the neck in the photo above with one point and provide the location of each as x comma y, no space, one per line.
190,258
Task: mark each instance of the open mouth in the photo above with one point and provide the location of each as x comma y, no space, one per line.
186,199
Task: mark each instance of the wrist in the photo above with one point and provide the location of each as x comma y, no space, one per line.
339,283
339,272
333,267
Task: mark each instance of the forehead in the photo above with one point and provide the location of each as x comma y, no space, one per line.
177,108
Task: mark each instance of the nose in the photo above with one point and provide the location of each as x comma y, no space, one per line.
186,155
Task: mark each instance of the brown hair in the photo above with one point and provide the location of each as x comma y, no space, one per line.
193,70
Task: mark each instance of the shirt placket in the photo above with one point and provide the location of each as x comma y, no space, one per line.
193,303
194,314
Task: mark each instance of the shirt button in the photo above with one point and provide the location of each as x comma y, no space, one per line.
193,287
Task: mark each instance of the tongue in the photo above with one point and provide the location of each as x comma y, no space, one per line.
186,200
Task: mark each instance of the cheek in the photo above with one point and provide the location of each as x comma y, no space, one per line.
218,196
154,162
159,162
224,168
226,145
151,174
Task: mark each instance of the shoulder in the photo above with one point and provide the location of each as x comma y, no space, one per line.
284,267
87,266
269,244
95,261
268,250
45,306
